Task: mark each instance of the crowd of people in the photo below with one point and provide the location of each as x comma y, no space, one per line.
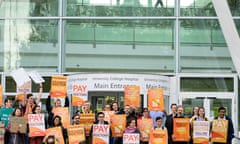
161,120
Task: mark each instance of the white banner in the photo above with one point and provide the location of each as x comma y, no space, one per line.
83,83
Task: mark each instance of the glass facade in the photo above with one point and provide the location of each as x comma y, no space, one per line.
164,36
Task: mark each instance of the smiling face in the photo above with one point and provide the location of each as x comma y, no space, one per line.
221,113
132,123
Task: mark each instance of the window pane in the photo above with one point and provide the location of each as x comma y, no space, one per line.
120,8
119,45
203,47
196,8
9,8
206,85
31,44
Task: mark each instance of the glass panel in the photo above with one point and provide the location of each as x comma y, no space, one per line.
119,45
196,8
24,8
10,85
234,6
120,8
216,103
31,44
206,84
203,48
188,105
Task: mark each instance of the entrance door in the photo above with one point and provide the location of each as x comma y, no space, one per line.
100,99
211,103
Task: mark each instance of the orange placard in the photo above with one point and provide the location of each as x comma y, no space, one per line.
1,101
155,99
64,114
145,126
77,101
219,131
87,120
181,129
159,137
57,132
58,86
36,124
76,134
108,115
132,96
118,125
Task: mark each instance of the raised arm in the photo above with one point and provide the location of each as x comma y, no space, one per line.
39,94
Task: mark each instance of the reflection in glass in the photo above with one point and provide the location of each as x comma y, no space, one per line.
26,8
188,105
216,103
120,8
196,8
203,47
132,45
29,44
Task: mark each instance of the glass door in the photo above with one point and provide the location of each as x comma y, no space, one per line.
210,102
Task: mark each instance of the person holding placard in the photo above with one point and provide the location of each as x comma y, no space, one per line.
30,102
99,124
5,113
131,129
180,115
50,109
230,129
200,117
145,125
37,139
57,122
17,137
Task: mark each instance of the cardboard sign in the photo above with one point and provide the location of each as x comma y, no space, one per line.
87,120
57,132
36,125
76,134
101,134
155,99
132,96
201,132
219,131
59,86
118,125
145,126
131,138
181,129
64,114
18,124
159,137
